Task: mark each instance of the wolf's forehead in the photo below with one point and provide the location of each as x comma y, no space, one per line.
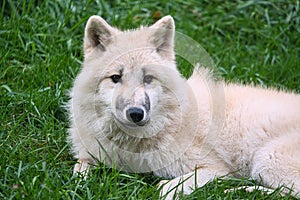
135,59
137,38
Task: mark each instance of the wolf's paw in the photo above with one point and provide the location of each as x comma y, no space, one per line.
82,168
170,189
254,188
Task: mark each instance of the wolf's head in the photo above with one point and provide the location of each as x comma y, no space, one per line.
133,76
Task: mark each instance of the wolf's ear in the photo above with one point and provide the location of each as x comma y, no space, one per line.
98,34
163,36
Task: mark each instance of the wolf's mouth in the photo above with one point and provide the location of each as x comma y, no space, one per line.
142,123
133,125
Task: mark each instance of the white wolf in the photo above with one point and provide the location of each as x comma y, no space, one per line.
131,108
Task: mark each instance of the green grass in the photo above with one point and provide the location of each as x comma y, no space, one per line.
255,42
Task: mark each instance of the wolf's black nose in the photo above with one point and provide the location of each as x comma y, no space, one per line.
135,114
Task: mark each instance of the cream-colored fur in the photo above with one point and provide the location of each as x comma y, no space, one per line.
191,130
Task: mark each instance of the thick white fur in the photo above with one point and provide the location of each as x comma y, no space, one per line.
200,129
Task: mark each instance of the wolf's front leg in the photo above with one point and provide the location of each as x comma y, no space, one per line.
188,182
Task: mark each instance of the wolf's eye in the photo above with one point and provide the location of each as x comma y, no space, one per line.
116,78
148,79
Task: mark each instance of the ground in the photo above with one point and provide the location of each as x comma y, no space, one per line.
253,42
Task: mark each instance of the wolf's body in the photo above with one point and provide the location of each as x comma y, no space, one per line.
131,108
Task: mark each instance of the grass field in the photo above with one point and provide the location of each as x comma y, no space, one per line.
255,42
